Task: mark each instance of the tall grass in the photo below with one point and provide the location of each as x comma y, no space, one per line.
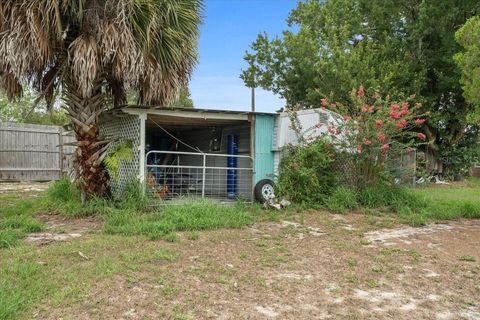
413,206
191,216
128,216
390,197
341,200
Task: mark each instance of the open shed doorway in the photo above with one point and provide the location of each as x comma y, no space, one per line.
198,157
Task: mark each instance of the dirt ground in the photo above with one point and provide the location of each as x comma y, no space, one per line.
314,265
329,267
30,188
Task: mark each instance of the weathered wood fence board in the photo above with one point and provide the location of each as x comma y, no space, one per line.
34,152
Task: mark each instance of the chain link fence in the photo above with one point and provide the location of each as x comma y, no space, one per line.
400,168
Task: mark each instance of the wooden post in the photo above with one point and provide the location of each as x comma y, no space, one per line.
253,99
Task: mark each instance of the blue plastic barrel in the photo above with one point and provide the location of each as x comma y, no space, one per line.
232,149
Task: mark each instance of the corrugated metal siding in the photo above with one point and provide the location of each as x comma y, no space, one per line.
264,131
308,119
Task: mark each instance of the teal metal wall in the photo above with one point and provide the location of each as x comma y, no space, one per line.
264,126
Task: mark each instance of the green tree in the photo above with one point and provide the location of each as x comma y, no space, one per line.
21,111
395,47
92,52
184,99
469,63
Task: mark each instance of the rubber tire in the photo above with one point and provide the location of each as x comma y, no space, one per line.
257,191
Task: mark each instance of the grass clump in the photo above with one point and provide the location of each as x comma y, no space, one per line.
25,223
17,289
64,197
342,200
390,197
467,258
166,254
9,238
193,235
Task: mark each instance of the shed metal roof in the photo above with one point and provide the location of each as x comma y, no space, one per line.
147,108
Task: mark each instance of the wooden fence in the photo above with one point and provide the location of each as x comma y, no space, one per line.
30,152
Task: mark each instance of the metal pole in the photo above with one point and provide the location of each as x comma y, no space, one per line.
141,149
414,167
203,174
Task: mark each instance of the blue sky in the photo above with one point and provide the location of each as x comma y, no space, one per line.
229,27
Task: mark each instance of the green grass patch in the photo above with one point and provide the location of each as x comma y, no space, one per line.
24,223
191,216
10,238
58,275
17,218
449,202
414,206
467,258
166,254
342,200
127,216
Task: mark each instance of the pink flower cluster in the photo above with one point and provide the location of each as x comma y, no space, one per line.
377,125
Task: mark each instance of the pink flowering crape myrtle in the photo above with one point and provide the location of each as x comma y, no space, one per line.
373,127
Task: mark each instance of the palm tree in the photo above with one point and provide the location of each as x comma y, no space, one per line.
92,52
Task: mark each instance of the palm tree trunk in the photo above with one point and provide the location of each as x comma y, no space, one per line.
91,147
90,172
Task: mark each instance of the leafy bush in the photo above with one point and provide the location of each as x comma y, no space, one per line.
121,152
341,200
375,128
458,160
306,173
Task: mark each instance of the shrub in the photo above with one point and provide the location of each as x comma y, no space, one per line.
375,128
306,173
341,200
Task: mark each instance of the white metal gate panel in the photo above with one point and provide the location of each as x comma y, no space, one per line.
175,175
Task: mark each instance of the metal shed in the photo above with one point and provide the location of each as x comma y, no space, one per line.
204,153
184,152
